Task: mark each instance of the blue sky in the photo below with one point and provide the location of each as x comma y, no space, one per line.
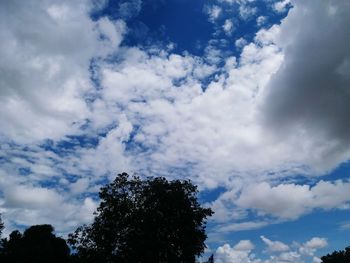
247,98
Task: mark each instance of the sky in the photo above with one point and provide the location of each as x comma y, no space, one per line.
249,99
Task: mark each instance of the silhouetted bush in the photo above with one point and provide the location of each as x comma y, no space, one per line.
38,244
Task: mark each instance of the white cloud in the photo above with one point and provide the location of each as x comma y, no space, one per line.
244,245
240,2
108,156
228,26
247,12
31,197
249,225
111,33
45,80
308,95
281,6
79,186
240,253
285,257
44,66
310,247
240,43
30,205
214,12
261,20
290,201
267,36
279,252
275,246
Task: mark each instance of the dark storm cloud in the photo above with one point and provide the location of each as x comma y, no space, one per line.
311,90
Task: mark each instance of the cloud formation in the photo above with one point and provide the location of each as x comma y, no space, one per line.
44,66
279,252
78,106
309,93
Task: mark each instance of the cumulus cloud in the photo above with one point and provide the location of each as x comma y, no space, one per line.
31,205
275,246
45,81
31,197
228,27
44,66
279,252
240,253
247,12
244,245
261,20
281,6
240,43
310,247
79,186
309,94
214,12
290,201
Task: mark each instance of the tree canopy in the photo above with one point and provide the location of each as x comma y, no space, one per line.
152,220
37,244
342,256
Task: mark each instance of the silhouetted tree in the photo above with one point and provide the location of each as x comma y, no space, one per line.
151,220
211,259
342,256
37,245
1,226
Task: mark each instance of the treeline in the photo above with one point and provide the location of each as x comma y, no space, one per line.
137,221
342,256
36,244
152,220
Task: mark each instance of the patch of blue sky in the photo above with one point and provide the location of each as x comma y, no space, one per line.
69,144
186,25
94,71
23,171
136,146
181,22
318,224
340,173
53,182
208,195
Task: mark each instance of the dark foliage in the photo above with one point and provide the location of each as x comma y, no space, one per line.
342,256
38,244
211,259
1,226
138,221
